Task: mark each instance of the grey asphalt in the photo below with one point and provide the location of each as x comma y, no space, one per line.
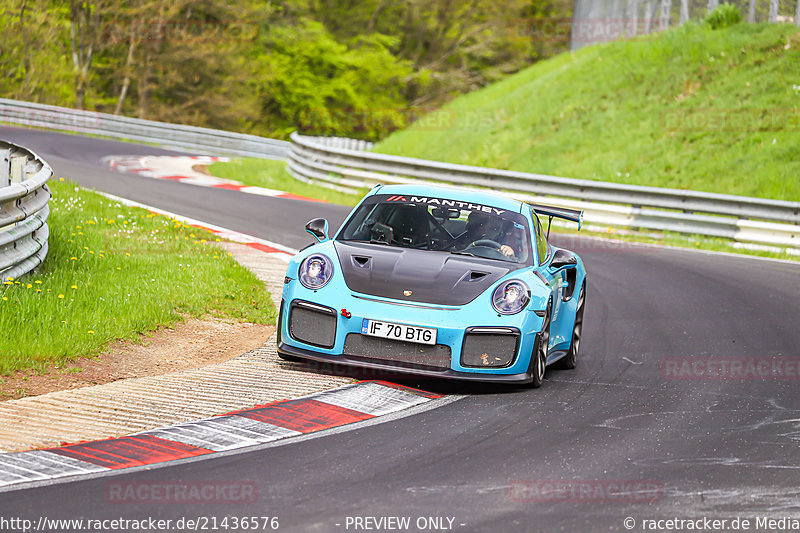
712,448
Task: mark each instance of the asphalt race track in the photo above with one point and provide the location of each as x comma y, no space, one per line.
629,416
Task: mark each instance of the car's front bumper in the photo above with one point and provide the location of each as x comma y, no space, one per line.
452,324
381,367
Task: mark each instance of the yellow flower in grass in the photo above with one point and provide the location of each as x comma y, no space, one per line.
90,332
28,286
73,258
38,282
61,296
74,287
5,299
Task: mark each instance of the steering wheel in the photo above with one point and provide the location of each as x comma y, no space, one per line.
488,243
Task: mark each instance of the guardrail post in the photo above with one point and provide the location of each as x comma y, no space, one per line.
5,168
17,168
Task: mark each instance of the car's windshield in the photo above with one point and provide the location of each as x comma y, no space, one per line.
440,224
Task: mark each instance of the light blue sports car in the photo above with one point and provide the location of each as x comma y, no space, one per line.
438,282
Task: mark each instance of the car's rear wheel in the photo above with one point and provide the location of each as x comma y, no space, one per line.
570,361
539,356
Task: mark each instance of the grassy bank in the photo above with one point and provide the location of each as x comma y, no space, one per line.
273,175
115,272
691,108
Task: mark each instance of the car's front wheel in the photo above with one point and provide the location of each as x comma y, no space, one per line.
539,356
570,361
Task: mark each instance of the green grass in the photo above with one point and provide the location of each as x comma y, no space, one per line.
115,272
691,108
272,175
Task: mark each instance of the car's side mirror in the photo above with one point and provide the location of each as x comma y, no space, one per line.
563,259
318,228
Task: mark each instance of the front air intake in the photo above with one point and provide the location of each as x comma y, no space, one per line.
489,347
312,324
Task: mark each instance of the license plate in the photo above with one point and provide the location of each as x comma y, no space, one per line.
400,332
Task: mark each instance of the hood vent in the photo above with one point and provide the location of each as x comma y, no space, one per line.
361,261
436,278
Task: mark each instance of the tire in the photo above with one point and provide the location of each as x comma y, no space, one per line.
539,355
570,361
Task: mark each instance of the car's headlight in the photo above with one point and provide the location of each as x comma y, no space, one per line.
315,271
510,297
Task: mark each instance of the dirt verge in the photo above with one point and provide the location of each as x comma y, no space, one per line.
191,344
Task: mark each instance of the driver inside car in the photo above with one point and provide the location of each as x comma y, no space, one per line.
481,226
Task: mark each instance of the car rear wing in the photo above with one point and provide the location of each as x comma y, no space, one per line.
573,215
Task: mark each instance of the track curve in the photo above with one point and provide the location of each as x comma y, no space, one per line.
713,448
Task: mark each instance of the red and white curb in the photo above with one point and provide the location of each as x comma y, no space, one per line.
240,429
278,250
180,169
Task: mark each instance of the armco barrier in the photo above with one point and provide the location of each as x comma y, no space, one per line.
345,164
199,140
23,210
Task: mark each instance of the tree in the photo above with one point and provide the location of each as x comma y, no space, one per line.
774,6
83,38
666,7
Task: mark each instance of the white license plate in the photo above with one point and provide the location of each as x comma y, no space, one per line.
400,332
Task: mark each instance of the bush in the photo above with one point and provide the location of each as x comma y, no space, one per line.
724,16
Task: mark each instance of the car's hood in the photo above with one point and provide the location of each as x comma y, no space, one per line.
417,275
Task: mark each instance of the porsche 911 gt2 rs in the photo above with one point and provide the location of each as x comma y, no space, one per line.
439,282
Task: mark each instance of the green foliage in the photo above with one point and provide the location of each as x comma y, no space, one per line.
115,272
723,16
336,67
313,83
690,108
29,70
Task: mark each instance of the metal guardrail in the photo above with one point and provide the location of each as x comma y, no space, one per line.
23,210
345,164
200,140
